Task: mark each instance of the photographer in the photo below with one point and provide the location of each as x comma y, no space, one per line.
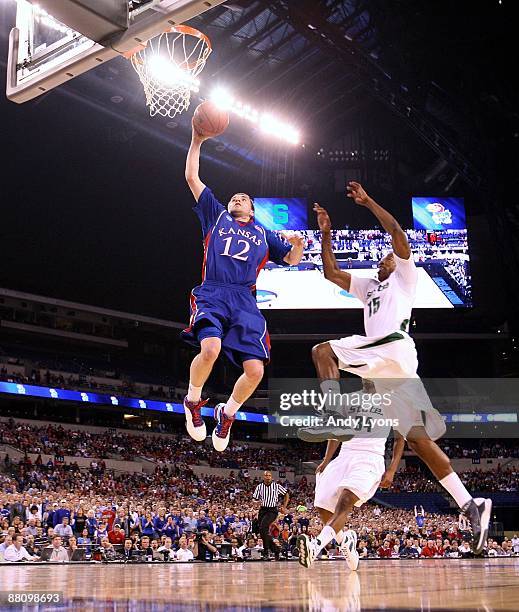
166,551
203,549
107,550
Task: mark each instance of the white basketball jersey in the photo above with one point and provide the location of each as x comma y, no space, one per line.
387,304
370,429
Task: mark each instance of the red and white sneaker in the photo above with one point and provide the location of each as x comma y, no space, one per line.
222,431
194,422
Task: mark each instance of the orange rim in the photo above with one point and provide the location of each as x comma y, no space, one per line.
183,29
180,29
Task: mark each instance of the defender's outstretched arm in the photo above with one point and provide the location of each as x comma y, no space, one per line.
386,219
332,272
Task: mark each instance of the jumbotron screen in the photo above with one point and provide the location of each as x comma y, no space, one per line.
438,242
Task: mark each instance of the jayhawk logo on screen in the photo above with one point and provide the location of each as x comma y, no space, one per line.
439,213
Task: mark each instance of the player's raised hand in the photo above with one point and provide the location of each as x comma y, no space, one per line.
357,193
323,218
195,134
294,239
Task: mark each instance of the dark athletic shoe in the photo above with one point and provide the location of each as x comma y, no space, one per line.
306,550
477,511
322,434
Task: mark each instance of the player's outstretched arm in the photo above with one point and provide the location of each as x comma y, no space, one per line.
332,272
331,447
193,164
297,242
398,451
386,219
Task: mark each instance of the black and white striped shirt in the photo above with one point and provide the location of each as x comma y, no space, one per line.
268,495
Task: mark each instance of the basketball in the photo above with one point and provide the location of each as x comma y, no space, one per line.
210,120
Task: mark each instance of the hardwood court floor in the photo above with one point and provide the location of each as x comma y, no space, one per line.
491,584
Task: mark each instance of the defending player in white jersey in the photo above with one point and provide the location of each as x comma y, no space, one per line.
354,476
387,355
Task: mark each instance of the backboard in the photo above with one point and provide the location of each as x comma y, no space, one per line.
44,53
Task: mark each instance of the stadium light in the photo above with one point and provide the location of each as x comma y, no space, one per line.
171,75
223,98
268,124
271,125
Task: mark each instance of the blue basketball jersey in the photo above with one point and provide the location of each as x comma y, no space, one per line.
235,252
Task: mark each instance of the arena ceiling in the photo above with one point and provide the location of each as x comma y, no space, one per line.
430,82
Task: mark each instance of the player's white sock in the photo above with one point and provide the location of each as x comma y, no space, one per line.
231,407
194,393
325,537
331,388
339,536
456,488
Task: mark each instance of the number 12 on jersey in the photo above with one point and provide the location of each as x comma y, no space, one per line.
241,254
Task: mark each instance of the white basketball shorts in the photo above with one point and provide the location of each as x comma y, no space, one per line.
391,363
357,471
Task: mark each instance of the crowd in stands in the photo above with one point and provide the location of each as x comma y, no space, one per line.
88,382
500,479
174,448
178,448
175,515
372,245
458,268
475,449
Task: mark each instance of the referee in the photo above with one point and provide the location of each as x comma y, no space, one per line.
268,493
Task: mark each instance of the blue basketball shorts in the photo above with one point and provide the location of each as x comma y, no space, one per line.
228,312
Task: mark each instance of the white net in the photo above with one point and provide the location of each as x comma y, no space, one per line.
168,67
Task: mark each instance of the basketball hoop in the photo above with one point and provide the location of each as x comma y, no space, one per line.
168,67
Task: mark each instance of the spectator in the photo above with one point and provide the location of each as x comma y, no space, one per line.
128,552
101,532
58,553
362,549
86,541
185,552
108,552
384,551
17,552
235,549
170,529
60,513
80,521
429,550
409,550
72,547
146,549
64,530
116,536
147,527
31,528
515,544
465,550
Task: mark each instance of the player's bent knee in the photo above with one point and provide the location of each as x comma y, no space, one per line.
346,501
254,370
210,352
322,351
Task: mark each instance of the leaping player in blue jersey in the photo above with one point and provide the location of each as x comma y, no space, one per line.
224,313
